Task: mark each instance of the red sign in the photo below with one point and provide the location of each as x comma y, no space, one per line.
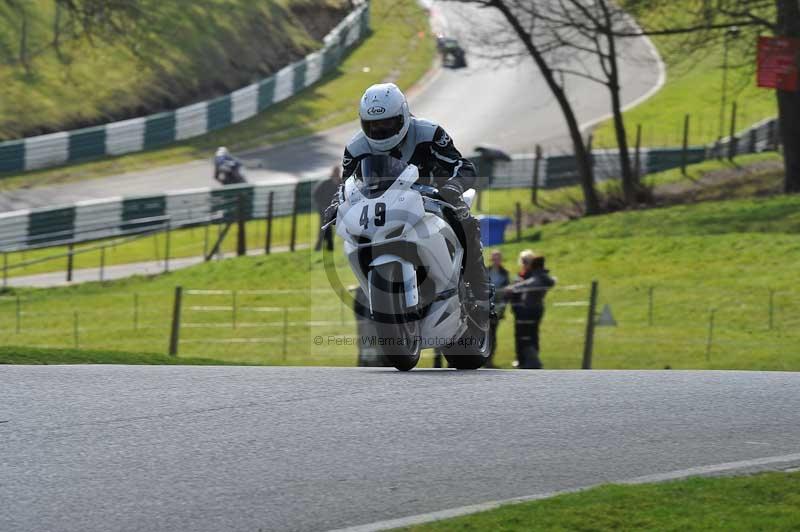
777,63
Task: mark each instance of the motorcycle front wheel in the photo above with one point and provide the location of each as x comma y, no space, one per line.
397,335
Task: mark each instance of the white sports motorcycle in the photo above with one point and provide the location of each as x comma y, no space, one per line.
409,262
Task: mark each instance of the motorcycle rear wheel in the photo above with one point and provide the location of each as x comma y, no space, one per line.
398,336
471,351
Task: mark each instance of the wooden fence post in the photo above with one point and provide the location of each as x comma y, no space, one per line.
167,243
537,163
685,150
637,169
70,257
174,338
241,240
293,236
588,345
519,221
268,243
733,142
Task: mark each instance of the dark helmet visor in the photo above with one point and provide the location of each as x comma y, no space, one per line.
382,129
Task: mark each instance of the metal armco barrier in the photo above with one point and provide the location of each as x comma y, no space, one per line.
97,219
148,132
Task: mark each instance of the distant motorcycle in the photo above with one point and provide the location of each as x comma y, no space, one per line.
227,169
409,263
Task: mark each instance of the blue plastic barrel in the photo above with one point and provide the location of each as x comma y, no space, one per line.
493,229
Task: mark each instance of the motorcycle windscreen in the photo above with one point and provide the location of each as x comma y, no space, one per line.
378,172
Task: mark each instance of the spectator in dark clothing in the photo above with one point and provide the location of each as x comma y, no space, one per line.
527,296
323,193
500,279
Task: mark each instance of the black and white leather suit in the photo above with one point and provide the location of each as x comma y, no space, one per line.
428,147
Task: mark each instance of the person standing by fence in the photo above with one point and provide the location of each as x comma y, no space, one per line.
323,193
527,296
500,279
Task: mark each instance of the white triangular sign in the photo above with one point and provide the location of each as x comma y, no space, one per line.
606,318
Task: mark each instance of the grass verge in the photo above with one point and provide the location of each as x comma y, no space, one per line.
662,272
37,356
759,502
401,27
693,86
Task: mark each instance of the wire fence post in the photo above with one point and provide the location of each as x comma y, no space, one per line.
733,142
710,334
176,322
233,308
685,150
136,311
205,239
588,345
75,325
268,243
285,331
537,163
19,315
293,236
637,165
167,246
519,222
650,306
70,260
771,308
241,237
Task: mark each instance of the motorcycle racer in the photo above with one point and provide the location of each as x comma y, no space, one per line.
388,128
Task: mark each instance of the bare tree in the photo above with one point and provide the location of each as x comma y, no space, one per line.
545,50
576,38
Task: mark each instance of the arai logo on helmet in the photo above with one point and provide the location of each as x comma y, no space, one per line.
377,110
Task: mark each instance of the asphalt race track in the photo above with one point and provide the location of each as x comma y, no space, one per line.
505,104
245,449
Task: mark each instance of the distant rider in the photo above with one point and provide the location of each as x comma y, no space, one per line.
388,128
227,169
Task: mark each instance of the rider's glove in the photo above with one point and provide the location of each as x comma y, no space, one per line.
451,192
330,213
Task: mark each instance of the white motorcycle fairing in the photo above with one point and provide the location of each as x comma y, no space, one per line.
401,225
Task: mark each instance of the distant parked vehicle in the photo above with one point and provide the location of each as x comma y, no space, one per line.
453,55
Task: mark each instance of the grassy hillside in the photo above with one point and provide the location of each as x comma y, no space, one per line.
694,86
152,56
737,258
401,27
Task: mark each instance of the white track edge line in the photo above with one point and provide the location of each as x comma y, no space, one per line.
482,507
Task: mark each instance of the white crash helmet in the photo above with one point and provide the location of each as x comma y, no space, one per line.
385,117
222,151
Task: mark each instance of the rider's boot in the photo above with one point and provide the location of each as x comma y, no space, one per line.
475,273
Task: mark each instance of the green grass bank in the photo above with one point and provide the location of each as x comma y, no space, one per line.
664,272
143,57
324,105
760,502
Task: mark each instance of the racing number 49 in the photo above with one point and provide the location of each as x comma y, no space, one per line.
380,215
